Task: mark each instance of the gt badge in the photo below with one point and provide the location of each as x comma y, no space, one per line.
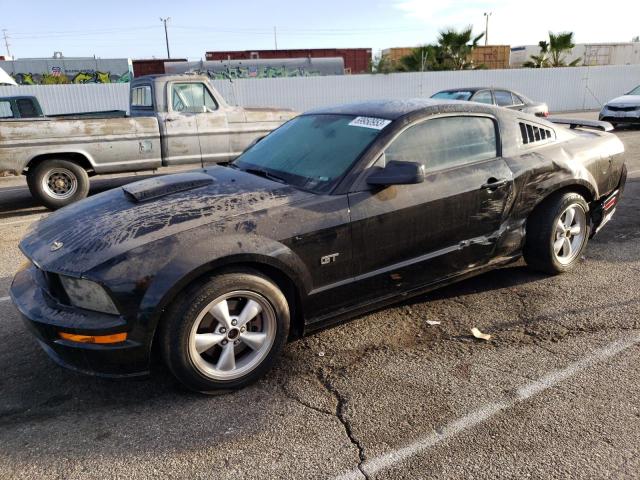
327,259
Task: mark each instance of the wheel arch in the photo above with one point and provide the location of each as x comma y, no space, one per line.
284,277
79,158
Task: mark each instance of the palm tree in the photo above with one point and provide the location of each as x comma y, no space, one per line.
559,44
539,61
552,53
457,47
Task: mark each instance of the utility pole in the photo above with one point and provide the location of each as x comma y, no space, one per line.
6,41
166,35
486,28
275,37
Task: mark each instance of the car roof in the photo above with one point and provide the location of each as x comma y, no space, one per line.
393,109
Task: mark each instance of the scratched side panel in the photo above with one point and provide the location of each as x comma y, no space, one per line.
110,144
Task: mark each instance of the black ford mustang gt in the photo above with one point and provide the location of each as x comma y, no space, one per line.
337,212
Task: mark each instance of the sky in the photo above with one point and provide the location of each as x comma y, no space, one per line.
116,28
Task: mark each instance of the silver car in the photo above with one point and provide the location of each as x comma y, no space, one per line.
623,110
495,96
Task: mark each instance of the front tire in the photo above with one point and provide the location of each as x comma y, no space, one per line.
57,183
226,333
557,233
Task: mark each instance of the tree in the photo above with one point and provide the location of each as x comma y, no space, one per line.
559,44
452,52
553,53
457,47
383,64
539,61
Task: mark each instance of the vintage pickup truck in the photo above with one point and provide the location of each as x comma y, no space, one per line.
174,119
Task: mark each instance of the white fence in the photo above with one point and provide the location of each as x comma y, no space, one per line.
564,89
60,99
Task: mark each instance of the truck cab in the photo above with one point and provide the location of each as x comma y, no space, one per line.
23,106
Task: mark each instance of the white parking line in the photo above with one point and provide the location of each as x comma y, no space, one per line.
4,299
382,462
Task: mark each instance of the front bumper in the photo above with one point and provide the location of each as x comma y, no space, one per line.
620,117
45,317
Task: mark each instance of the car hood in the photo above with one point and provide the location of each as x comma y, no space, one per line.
625,101
85,234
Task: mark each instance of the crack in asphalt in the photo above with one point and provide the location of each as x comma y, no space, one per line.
340,413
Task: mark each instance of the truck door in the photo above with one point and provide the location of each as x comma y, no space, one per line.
195,129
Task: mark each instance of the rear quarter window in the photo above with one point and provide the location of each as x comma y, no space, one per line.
141,97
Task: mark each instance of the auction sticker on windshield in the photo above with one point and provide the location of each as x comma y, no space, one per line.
370,122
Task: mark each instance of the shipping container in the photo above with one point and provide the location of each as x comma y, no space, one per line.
356,60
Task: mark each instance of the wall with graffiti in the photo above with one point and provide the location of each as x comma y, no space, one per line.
59,71
260,68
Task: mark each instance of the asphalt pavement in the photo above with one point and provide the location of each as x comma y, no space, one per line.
553,394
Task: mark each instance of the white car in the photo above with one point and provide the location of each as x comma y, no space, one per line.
623,110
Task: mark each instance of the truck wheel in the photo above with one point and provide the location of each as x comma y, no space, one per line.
226,333
56,183
557,233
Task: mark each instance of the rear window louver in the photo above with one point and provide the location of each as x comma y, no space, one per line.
532,134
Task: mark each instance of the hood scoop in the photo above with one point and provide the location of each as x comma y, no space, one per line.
157,187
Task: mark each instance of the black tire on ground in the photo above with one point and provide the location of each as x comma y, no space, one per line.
541,233
57,183
178,323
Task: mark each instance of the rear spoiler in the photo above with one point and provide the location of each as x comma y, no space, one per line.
577,123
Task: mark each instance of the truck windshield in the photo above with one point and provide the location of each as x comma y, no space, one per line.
312,152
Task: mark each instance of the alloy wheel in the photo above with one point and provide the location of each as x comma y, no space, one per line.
232,335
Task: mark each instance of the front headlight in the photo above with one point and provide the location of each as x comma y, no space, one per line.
87,294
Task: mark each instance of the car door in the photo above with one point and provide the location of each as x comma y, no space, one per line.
195,129
407,236
483,96
504,98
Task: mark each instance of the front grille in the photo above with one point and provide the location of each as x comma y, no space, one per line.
621,109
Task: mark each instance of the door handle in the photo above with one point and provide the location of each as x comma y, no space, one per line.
170,119
494,183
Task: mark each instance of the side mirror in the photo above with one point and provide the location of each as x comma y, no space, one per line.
398,173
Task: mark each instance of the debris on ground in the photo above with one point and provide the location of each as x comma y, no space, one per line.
321,354
433,322
478,334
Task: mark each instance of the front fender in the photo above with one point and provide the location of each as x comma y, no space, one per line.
187,264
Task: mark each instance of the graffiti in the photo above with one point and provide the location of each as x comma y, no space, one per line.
232,73
60,78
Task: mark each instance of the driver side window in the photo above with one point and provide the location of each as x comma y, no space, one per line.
191,96
446,142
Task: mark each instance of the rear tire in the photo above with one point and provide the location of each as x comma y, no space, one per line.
57,183
557,233
226,333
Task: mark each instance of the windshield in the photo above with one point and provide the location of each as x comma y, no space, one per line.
635,91
312,152
455,95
